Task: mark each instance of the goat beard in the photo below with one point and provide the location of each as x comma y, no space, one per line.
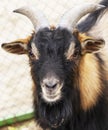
54,115
59,113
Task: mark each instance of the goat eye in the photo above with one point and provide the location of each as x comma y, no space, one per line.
32,56
76,54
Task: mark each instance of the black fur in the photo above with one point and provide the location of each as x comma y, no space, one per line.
52,57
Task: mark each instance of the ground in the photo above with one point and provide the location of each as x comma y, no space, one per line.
27,125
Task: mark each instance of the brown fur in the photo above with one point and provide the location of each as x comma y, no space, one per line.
90,87
90,84
52,27
81,36
18,46
25,40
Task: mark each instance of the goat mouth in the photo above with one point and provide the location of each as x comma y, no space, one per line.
50,98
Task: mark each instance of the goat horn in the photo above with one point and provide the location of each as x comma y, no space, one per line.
71,17
37,17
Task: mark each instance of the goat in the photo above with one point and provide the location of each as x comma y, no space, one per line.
69,68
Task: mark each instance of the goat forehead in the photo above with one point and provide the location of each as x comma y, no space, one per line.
53,39
46,35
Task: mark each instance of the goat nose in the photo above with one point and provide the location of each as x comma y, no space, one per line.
50,83
51,86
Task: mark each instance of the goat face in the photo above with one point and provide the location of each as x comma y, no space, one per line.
54,57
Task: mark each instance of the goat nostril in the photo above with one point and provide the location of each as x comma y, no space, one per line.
51,86
50,83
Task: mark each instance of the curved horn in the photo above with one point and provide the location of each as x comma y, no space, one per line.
37,18
71,17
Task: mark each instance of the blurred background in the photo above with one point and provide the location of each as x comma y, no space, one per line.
16,100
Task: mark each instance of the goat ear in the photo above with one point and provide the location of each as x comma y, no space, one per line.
17,47
92,45
89,44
